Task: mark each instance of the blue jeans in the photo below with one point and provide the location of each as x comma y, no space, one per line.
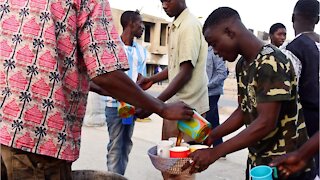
213,115
120,143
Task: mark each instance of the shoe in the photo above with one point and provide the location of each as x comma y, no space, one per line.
143,120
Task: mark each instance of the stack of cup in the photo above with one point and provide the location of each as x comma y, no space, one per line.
163,148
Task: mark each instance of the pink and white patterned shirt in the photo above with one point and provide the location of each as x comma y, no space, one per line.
49,50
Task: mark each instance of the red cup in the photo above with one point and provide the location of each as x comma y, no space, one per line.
179,152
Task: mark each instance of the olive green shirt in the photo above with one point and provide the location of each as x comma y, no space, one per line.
186,43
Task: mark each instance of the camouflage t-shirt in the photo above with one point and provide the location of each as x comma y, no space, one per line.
270,77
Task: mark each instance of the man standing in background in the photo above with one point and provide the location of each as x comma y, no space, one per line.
120,143
187,53
277,34
303,51
217,72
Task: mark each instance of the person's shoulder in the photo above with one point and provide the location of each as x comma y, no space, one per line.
191,20
300,41
272,53
268,50
139,46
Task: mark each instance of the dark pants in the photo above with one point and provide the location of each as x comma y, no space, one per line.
29,166
213,115
311,117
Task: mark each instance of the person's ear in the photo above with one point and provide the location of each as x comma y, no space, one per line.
292,18
130,24
229,32
317,20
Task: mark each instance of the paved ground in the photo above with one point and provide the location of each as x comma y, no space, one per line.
146,135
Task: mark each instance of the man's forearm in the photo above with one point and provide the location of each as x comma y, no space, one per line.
310,148
161,76
121,87
180,80
263,125
233,123
97,89
175,85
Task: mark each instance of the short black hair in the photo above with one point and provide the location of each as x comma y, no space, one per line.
129,16
275,27
218,15
307,8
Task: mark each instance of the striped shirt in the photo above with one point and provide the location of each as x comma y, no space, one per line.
137,58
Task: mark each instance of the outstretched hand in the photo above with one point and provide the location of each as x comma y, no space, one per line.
210,139
144,82
289,164
201,160
177,111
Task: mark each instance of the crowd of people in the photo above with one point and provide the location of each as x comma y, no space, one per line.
53,53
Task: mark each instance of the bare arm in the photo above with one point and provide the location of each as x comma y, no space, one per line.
97,89
297,160
161,76
146,82
120,86
261,127
310,148
233,123
178,82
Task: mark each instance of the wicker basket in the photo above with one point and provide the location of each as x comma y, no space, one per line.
96,175
168,165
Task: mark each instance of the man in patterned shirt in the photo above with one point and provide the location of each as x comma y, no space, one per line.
267,96
49,51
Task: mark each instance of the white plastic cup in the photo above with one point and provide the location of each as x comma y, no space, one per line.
163,148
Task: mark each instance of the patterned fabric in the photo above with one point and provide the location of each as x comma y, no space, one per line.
270,77
49,50
137,58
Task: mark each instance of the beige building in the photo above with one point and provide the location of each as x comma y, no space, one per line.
154,39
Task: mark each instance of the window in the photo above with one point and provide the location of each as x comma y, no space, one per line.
147,31
163,34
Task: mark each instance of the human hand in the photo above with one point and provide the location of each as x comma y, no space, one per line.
144,82
201,160
289,164
210,139
141,113
176,111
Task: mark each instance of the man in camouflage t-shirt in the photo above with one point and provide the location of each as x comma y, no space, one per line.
267,98
270,77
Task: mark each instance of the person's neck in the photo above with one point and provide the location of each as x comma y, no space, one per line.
127,37
304,30
251,48
180,11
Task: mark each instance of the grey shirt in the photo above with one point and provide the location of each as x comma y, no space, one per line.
217,72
